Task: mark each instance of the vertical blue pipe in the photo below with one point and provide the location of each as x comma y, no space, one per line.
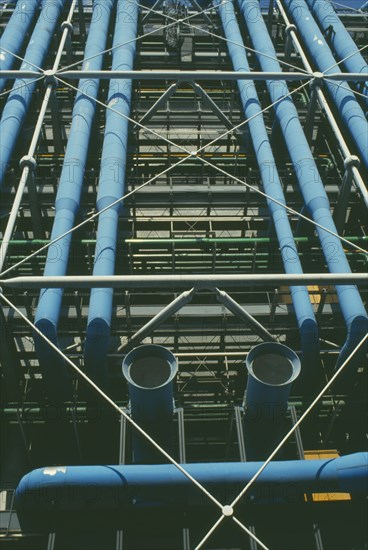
68,199
150,371
15,32
272,369
19,100
272,186
310,182
111,188
349,109
340,39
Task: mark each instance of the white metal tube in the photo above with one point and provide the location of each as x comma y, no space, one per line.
175,281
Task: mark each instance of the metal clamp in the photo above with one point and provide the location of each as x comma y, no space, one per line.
351,161
317,81
28,161
66,25
289,28
50,78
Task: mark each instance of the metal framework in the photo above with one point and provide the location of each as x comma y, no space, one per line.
199,264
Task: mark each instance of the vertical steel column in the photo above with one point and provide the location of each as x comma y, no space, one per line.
300,450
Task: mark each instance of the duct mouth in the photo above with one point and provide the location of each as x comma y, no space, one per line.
272,368
273,364
149,367
150,372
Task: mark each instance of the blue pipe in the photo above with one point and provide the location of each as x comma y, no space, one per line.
68,201
150,371
340,39
19,100
111,188
272,369
310,183
272,186
350,111
47,497
14,34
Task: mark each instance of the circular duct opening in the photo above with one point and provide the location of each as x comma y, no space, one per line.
150,372
273,369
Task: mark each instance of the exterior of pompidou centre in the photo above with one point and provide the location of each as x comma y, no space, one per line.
183,274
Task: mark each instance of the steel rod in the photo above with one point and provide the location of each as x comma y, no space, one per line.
188,75
196,281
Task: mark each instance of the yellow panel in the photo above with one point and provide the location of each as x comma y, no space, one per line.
325,453
314,293
324,497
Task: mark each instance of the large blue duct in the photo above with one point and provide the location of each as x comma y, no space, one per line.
15,32
272,369
68,201
111,188
349,109
20,98
272,186
150,371
339,38
310,182
48,497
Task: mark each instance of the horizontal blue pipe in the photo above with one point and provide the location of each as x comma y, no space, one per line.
68,201
14,34
111,187
19,99
272,186
310,183
46,496
340,39
150,371
349,109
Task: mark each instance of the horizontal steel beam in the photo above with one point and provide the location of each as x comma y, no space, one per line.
183,281
187,75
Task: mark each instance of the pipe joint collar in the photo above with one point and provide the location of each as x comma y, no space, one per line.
290,28
66,25
28,161
50,78
318,80
351,161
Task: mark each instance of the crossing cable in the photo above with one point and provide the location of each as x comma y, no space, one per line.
287,436
190,154
288,208
122,413
336,83
345,59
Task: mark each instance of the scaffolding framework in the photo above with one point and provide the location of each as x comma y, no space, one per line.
198,265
